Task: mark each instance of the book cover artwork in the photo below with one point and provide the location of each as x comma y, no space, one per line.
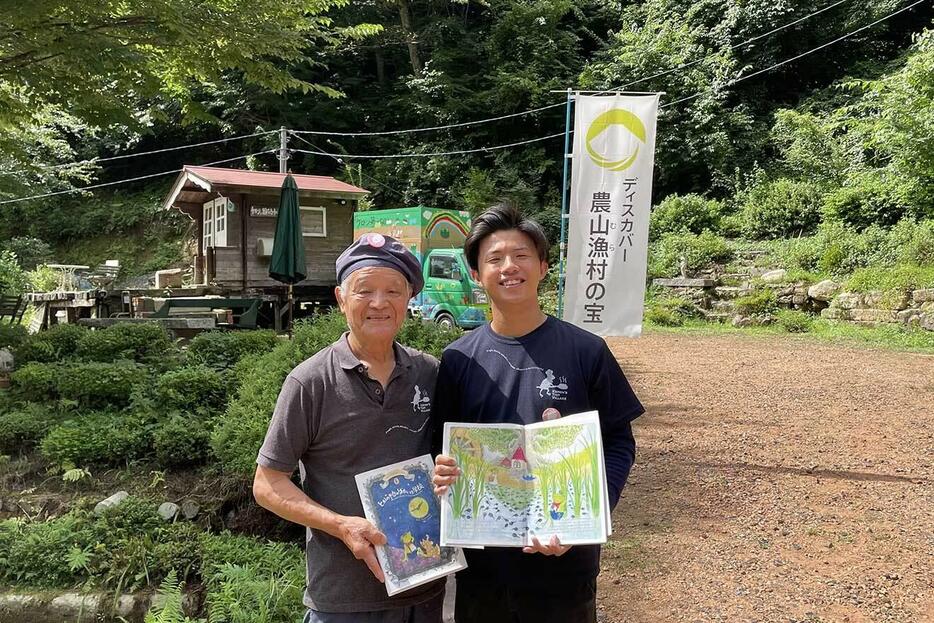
399,500
519,482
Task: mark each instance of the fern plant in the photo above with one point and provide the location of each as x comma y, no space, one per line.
170,610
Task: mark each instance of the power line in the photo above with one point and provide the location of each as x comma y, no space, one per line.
159,151
341,162
732,47
437,127
432,154
803,54
132,179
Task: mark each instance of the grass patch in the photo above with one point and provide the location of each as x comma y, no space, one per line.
890,337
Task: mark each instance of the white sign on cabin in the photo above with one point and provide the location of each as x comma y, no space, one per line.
263,211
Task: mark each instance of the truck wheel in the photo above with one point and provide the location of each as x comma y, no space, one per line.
445,321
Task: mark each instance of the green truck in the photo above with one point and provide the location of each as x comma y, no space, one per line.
436,237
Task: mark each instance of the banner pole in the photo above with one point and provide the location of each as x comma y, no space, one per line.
562,246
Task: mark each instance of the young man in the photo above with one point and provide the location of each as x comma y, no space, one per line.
345,410
520,365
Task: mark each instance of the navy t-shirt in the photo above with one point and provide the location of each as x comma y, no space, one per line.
485,377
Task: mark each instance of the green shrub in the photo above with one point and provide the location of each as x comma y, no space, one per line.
35,554
21,429
43,279
240,432
223,349
794,321
668,311
58,343
179,441
427,337
780,208
761,301
127,547
36,381
310,336
914,242
97,438
195,388
840,250
12,278
12,335
29,251
684,214
145,342
663,317
903,278
699,251
868,200
104,384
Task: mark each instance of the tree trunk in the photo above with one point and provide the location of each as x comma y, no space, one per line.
380,67
406,17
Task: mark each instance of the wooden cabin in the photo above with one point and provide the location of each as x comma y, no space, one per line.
235,215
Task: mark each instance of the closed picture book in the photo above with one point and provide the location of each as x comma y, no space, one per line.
399,500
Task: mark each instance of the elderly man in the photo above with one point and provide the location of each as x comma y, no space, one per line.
348,409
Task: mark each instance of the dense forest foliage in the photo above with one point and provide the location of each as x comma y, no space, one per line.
841,137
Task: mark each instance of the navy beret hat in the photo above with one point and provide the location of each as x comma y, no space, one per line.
374,249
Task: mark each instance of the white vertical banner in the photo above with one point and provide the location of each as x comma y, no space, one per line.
611,198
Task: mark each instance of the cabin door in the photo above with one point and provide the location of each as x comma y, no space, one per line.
213,234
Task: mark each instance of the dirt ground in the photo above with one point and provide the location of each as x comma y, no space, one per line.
776,479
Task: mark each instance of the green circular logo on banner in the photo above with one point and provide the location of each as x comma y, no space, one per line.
615,116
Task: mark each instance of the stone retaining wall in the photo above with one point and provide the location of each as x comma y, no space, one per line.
914,310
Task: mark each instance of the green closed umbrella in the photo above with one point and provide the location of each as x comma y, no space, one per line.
287,263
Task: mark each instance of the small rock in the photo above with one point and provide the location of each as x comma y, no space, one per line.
775,276
115,500
742,321
190,509
824,290
847,300
906,315
168,511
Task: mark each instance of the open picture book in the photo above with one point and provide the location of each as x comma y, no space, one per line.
518,482
399,500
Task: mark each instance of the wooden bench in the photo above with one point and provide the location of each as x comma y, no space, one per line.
249,308
13,307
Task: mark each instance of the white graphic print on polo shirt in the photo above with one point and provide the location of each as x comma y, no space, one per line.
421,403
556,389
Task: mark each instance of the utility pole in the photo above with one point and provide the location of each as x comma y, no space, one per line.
283,149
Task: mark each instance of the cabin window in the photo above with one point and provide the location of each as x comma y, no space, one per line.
214,223
314,222
443,267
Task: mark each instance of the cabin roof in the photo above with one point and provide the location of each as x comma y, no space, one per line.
194,184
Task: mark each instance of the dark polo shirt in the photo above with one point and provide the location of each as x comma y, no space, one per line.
334,421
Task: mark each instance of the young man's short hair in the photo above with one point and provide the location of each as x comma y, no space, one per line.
499,217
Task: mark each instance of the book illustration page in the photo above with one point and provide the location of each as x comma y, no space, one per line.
567,469
402,505
489,502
